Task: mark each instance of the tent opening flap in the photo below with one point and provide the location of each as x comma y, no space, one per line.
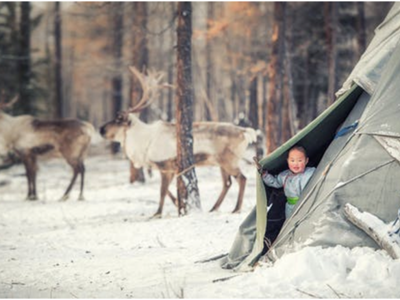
317,136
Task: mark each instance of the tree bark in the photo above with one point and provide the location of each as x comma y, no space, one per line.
117,82
209,66
188,192
140,61
275,68
171,65
59,103
253,105
24,67
253,114
331,12
361,31
292,126
141,52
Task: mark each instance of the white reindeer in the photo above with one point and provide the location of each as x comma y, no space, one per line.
29,137
218,144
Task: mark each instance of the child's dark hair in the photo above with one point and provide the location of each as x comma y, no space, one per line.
299,148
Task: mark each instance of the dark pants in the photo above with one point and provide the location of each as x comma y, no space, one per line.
275,216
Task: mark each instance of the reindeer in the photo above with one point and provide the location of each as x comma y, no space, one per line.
214,144
29,137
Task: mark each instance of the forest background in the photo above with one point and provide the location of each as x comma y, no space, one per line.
272,66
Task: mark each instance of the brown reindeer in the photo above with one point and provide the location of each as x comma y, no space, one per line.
214,143
29,137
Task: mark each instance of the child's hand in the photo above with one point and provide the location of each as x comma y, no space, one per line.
258,166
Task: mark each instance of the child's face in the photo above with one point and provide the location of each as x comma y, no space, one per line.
297,161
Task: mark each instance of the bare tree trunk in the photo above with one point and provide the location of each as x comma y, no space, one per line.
264,103
275,79
171,66
361,31
304,112
58,62
68,84
25,59
233,83
209,62
141,48
286,127
188,192
292,106
141,61
116,82
331,11
253,114
253,107
284,82
288,83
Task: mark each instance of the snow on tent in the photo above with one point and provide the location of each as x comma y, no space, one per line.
355,145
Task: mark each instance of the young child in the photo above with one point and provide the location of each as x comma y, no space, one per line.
293,180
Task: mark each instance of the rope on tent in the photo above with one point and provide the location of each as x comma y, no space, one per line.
346,130
395,229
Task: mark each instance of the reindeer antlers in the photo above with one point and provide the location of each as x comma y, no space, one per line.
150,84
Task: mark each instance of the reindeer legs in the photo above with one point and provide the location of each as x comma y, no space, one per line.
241,180
30,164
78,168
173,198
82,171
166,178
226,182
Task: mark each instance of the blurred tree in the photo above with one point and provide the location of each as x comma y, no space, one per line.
171,66
24,53
188,191
140,59
208,107
275,88
361,29
8,48
232,39
331,25
27,68
58,103
117,12
140,51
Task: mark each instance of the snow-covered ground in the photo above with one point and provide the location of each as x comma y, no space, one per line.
107,247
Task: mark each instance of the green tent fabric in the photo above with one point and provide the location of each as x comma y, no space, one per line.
355,147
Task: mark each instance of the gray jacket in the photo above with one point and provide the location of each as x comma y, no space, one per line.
293,184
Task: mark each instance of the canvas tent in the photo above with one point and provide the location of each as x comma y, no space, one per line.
355,145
